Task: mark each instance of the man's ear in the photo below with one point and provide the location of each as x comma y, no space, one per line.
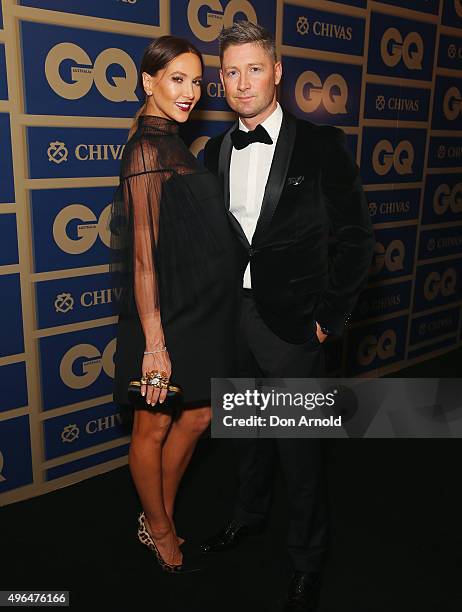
221,77
277,72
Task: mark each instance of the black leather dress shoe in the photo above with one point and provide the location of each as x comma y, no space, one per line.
229,537
303,593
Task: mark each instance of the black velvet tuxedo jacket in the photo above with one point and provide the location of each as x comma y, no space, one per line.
313,243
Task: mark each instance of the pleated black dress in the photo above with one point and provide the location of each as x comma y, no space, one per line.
176,246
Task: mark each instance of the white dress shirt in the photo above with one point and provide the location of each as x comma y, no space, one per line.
248,175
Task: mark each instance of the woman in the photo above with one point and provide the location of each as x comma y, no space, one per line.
179,287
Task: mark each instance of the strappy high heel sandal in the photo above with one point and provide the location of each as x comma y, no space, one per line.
146,538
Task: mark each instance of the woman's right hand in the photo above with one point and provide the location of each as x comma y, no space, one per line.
159,362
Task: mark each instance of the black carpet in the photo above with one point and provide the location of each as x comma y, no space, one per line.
396,543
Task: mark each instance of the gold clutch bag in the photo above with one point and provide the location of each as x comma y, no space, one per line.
172,401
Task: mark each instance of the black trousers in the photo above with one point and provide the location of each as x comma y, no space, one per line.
262,354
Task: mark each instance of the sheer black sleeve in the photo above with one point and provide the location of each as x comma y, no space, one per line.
137,210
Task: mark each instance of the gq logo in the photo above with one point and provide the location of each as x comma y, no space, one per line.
87,231
452,104
384,157
372,347
394,48
445,198
198,145
444,284
219,19
391,257
91,368
333,93
84,74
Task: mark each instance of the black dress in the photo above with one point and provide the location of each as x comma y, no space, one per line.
175,245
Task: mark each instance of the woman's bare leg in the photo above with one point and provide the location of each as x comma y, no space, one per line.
145,461
178,449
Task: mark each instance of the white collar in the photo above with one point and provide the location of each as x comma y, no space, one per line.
272,124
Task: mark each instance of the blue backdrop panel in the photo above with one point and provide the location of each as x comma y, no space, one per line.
450,52
9,241
3,78
433,326
381,301
445,152
392,103
425,6
321,30
443,198
6,161
213,94
77,366
440,242
202,21
70,71
437,284
70,227
123,10
392,155
15,453
74,152
12,341
81,429
325,92
401,47
86,462
76,299
376,345
394,205
394,252
13,383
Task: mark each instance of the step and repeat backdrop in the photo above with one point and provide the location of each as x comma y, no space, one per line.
390,77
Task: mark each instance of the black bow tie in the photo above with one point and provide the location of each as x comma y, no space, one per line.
242,139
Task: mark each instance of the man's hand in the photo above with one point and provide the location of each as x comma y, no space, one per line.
320,334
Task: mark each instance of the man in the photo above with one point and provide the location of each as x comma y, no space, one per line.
289,186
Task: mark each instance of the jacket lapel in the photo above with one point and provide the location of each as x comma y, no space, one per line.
224,162
277,175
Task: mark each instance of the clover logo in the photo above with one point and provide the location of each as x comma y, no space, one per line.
452,51
441,152
70,433
303,26
57,152
64,302
380,103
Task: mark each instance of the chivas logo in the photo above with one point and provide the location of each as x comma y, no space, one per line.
219,19
372,347
84,73
57,152
310,92
90,368
436,283
87,231
394,48
70,433
391,257
452,104
384,157
64,302
445,197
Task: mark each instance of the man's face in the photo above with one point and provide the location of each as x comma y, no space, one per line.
249,76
